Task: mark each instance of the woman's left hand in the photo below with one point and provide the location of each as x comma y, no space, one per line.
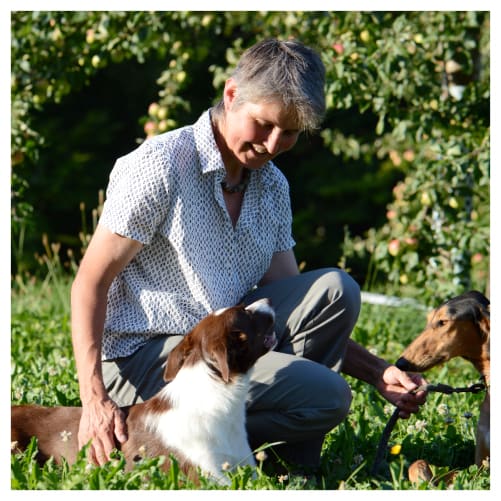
397,386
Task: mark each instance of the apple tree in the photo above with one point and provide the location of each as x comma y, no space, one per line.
407,107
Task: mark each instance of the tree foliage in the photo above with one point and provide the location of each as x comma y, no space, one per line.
408,108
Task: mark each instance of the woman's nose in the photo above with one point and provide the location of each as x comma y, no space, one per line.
273,141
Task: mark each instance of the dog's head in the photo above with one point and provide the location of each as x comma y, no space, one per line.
460,327
229,340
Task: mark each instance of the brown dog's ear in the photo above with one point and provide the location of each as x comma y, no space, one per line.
212,340
176,358
484,324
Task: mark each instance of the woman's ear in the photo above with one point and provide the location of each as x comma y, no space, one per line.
229,93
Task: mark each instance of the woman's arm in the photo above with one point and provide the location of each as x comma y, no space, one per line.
106,256
393,384
283,265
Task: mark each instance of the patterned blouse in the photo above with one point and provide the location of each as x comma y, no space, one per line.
167,195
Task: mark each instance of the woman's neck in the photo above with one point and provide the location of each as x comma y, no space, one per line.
234,169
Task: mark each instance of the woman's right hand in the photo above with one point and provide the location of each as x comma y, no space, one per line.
102,421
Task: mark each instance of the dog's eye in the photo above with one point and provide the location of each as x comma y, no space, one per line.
440,323
241,336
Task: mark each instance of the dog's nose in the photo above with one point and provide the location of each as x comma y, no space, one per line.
403,364
270,341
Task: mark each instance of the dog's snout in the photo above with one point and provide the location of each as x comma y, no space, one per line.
403,364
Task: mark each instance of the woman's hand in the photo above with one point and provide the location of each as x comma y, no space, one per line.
396,387
102,421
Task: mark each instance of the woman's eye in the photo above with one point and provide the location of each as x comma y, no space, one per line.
264,125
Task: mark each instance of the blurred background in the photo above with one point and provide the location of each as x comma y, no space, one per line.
395,188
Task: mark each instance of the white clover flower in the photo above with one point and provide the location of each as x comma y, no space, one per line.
421,425
226,466
388,409
65,435
282,479
261,456
442,409
13,445
64,362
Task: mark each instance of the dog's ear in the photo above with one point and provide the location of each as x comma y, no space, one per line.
220,356
484,324
176,358
213,344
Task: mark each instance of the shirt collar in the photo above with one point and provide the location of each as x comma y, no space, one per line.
208,152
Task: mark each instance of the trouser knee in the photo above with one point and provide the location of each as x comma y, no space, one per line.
344,291
340,398
307,401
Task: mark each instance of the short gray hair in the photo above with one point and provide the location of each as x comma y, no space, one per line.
284,71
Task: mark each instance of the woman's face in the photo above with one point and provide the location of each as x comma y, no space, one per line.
255,133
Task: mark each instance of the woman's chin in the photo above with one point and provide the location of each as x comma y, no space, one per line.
255,160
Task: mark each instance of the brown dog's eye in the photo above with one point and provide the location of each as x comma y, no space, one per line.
440,323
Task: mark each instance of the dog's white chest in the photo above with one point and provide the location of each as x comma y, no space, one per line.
206,422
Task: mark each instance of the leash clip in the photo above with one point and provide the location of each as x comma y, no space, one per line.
477,387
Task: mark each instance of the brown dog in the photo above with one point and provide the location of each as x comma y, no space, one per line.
199,416
459,327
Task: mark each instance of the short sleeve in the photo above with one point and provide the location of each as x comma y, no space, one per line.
137,198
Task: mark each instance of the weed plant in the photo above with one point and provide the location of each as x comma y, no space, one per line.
43,372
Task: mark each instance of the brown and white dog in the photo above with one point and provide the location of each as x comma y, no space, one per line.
198,417
460,327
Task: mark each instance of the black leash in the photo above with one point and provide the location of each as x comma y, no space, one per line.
440,388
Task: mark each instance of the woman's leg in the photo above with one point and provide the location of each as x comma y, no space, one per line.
137,378
296,394
315,314
297,401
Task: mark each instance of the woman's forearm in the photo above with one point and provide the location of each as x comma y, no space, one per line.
362,364
88,305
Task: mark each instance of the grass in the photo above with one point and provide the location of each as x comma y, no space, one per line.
43,372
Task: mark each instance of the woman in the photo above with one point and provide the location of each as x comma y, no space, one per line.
198,219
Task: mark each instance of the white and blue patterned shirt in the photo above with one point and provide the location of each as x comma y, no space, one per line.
167,195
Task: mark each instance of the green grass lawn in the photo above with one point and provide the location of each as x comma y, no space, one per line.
43,372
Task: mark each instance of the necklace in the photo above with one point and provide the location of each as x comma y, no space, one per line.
237,188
